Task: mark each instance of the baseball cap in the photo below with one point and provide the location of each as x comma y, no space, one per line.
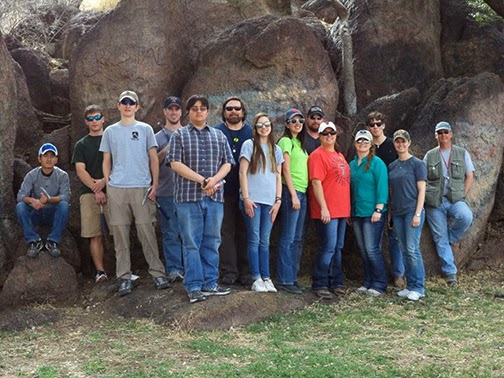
402,134
48,147
443,126
363,134
172,101
128,94
315,110
328,125
291,113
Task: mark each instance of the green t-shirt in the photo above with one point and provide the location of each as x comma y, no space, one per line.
298,162
87,151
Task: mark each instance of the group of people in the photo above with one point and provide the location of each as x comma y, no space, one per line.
220,189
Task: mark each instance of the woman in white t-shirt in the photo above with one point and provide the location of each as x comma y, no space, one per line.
261,191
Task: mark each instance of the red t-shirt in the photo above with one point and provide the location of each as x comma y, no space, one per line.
333,170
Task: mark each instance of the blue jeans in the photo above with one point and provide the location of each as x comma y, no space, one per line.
258,240
172,244
55,215
445,234
290,243
328,271
368,236
395,254
409,237
200,224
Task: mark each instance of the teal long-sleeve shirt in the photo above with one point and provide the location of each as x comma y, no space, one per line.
368,188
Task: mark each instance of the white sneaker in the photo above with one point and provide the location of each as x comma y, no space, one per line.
259,286
403,293
361,290
373,293
268,284
414,295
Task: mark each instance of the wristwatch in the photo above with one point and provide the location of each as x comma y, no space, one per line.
378,210
418,215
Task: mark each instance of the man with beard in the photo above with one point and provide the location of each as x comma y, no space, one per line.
315,118
233,249
172,245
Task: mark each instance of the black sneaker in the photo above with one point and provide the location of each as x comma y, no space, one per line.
293,289
125,287
52,249
34,249
227,280
217,290
161,283
196,296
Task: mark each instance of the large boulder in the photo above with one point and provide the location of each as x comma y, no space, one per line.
475,108
41,280
158,61
395,46
267,59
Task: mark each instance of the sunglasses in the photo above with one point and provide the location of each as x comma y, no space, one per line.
200,109
94,118
362,141
128,101
262,125
441,132
235,108
326,133
294,121
376,124
316,118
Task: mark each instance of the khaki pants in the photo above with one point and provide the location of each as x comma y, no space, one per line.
124,206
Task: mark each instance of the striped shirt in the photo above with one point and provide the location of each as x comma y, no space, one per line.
204,151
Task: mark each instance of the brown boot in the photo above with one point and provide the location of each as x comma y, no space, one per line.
399,282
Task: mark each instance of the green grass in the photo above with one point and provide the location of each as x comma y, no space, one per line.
451,333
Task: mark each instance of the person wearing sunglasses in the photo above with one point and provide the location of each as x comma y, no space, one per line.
261,195
450,174
88,161
233,249
315,117
407,177
369,188
385,150
172,246
43,200
131,172
329,202
294,201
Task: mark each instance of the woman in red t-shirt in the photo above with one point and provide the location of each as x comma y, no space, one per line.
329,202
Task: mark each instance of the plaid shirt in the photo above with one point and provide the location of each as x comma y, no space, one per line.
204,151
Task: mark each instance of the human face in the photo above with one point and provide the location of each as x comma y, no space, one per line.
401,145
362,146
198,114
295,124
48,161
263,132
233,112
95,126
172,114
328,138
313,122
128,108
376,127
444,137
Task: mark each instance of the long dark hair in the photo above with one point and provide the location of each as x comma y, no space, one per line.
301,136
258,159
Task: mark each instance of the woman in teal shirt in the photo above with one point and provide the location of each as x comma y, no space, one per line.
369,188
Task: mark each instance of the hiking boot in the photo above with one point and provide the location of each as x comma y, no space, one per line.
101,277
399,282
403,293
338,291
196,296
292,289
414,295
300,286
161,283
451,279
34,248
245,281
322,293
52,249
125,287
361,290
373,293
259,286
175,277
217,290
228,280
268,284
